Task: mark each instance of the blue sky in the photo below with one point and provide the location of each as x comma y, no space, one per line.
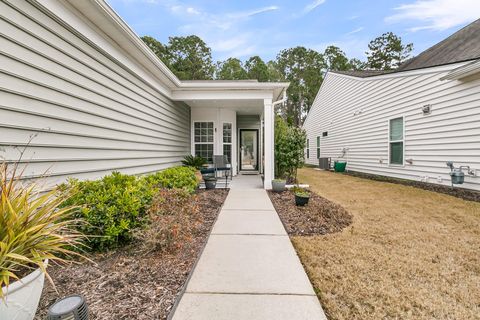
264,27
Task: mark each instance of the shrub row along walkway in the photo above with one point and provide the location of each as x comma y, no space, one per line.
249,269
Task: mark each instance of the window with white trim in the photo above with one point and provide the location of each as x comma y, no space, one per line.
308,148
318,147
396,141
227,141
203,139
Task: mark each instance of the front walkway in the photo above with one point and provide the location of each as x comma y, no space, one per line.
249,268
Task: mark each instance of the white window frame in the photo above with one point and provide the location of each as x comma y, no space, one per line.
193,136
393,141
231,140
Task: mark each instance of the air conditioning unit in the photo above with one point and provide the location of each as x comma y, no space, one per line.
324,163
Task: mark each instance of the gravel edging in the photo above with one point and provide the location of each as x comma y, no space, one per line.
465,194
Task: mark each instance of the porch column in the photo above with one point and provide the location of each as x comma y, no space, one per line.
269,169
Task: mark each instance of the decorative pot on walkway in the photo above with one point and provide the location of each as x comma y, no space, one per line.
22,297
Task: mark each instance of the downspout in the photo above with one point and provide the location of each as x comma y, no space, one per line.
281,100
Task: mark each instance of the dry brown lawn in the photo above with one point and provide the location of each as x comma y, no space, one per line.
409,254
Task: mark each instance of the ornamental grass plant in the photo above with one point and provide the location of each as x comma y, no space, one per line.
33,227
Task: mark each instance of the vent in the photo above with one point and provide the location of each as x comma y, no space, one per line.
325,134
427,109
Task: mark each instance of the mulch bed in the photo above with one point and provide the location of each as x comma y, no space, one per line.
128,284
319,216
465,194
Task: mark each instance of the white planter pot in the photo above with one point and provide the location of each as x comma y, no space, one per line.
22,297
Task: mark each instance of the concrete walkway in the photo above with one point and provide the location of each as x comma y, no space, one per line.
249,269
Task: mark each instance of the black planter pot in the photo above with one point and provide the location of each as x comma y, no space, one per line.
301,200
210,183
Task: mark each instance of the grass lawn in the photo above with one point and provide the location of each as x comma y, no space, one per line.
409,253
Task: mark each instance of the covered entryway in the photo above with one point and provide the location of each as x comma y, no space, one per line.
234,119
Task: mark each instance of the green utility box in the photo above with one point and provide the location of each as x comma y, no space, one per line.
339,166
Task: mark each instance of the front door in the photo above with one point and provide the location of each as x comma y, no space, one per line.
248,150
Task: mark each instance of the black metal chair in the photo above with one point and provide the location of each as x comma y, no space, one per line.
221,164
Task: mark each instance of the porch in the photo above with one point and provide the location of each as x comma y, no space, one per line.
235,119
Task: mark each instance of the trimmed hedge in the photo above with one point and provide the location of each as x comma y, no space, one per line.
114,206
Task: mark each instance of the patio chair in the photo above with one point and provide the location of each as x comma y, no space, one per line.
221,164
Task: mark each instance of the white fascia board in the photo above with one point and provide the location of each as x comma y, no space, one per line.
116,30
429,70
463,71
188,95
120,32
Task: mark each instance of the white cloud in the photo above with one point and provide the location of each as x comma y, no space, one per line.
313,5
355,31
437,14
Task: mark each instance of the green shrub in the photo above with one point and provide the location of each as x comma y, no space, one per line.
290,143
174,178
117,204
112,207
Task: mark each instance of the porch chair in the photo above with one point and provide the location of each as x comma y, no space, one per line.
221,163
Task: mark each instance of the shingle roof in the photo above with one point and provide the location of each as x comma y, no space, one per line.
362,73
463,45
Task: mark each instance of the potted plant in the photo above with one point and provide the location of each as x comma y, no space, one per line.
196,162
278,185
34,230
301,197
210,182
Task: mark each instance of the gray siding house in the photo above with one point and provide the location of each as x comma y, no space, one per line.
89,97
407,123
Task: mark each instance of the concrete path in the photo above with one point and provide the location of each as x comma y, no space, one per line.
249,269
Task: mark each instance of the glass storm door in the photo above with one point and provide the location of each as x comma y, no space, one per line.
248,150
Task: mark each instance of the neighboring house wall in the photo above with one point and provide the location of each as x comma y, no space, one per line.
90,111
355,112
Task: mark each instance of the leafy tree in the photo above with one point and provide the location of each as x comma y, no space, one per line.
188,57
158,48
274,74
336,59
303,69
387,52
257,69
356,64
231,69
290,145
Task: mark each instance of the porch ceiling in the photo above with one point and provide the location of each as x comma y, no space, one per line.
242,107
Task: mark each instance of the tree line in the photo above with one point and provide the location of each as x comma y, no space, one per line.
190,58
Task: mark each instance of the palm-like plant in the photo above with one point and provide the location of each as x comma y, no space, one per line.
33,227
194,161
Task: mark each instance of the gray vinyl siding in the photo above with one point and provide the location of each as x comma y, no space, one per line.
84,112
450,133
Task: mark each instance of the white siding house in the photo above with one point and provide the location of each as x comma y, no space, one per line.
377,122
88,97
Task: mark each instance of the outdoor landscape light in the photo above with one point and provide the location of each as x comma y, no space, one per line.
69,308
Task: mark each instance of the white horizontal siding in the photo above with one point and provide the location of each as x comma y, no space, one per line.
450,133
88,113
